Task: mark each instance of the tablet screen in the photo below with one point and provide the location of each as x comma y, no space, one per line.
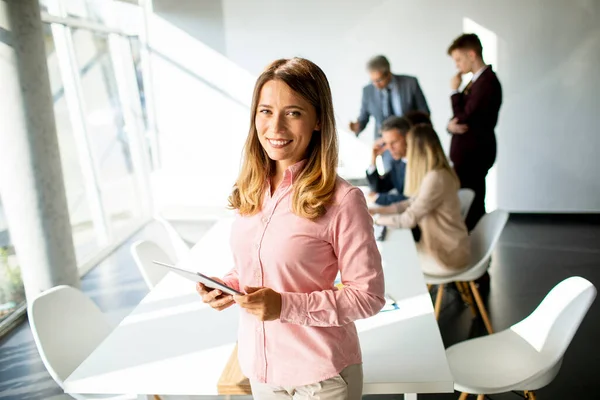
198,277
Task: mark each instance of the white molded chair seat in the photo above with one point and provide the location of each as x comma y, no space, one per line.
144,252
483,241
67,327
465,196
528,355
496,363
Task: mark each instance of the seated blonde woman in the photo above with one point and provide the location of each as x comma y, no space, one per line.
433,204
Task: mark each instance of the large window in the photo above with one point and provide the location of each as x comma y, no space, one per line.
101,126
85,237
107,131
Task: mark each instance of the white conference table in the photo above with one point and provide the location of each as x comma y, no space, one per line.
173,344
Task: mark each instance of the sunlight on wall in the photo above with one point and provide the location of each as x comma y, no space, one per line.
202,102
202,108
489,41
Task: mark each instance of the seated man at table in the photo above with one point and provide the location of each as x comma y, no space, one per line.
389,188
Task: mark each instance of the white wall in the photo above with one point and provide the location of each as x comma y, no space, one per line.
548,52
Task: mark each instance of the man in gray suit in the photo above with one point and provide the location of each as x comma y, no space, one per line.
386,96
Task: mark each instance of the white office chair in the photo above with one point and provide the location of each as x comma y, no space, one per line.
483,241
67,326
466,197
173,243
144,252
528,355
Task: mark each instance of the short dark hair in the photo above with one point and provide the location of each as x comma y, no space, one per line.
467,41
416,117
400,123
379,63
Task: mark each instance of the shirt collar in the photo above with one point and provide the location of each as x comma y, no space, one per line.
293,171
390,86
289,175
478,73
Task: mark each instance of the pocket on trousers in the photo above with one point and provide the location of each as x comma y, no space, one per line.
340,379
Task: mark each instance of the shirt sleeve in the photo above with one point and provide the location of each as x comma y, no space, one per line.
430,196
394,208
359,262
232,279
364,115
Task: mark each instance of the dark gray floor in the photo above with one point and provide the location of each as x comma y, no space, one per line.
533,255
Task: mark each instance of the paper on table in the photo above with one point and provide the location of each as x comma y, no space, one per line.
390,304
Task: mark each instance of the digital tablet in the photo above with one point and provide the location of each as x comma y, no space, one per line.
198,277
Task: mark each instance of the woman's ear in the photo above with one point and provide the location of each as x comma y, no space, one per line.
318,127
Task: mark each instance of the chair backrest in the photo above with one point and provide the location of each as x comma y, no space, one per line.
144,252
465,196
67,326
179,247
485,236
550,328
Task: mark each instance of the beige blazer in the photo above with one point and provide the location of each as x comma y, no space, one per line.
436,209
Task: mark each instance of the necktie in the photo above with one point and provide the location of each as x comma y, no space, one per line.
388,109
467,88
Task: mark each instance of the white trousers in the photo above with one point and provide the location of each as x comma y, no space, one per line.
347,385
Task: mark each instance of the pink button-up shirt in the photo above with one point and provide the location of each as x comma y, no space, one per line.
315,337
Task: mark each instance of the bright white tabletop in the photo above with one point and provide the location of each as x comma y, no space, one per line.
172,344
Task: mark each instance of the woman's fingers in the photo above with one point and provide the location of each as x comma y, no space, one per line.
222,303
211,296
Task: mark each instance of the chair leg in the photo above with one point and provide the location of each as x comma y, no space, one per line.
481,397
529,395
463,396
461,291
157,397
469,297
481,306
428,287
438,301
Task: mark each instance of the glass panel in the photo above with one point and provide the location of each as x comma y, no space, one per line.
12,293
92,10
84,236
107,132
136,46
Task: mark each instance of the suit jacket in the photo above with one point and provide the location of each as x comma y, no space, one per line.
411,99
382,184
477,107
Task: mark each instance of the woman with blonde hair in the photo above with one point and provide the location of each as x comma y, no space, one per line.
432,187
298,224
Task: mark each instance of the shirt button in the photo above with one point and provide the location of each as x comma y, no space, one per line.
257,246
265,219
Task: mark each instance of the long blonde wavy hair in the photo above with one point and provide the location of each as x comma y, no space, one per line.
314,186
424,153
